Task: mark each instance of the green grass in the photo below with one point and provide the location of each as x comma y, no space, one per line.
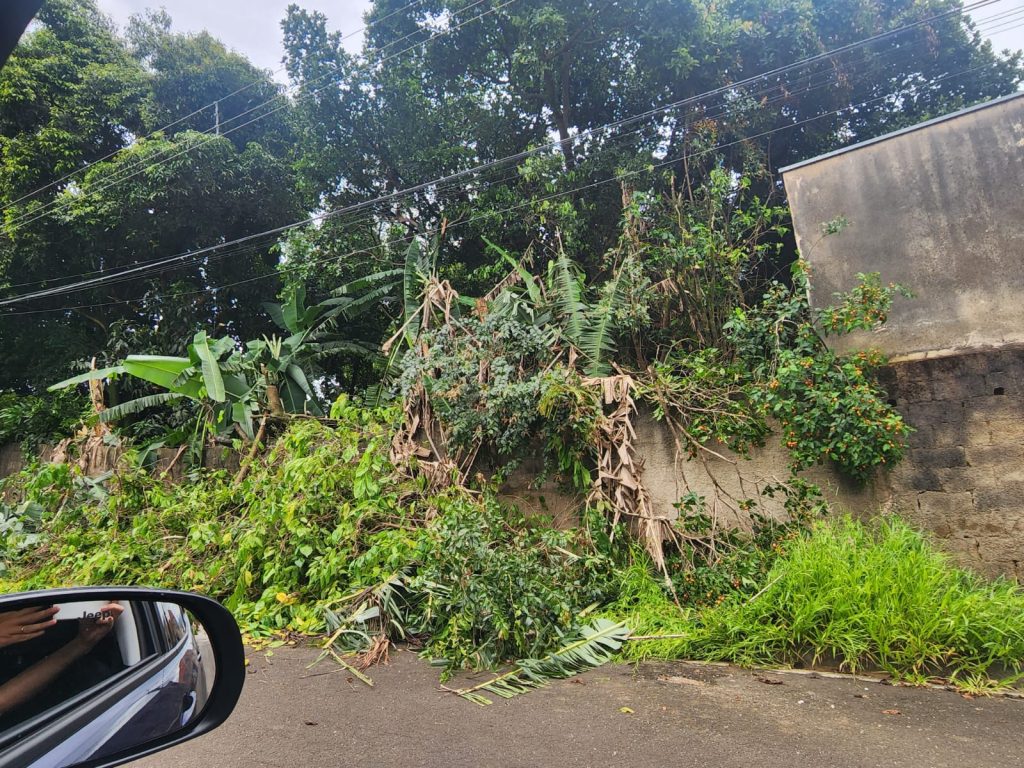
873,596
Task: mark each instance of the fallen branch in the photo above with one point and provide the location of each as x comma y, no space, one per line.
244,469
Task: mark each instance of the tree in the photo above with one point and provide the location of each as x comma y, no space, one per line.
442,86
74,94
197,84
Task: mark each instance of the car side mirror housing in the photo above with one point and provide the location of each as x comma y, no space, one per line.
94,677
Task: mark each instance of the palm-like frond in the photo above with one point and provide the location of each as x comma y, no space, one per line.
138,405
596,645
102,373
567,288
597,342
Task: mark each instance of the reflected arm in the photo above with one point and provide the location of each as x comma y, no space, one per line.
24,686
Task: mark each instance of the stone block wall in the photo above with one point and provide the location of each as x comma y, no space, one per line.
963,475
962,479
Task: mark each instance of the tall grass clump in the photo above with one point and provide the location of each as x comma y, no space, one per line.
875,596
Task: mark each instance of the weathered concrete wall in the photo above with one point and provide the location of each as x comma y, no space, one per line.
105,458
962,479
938,209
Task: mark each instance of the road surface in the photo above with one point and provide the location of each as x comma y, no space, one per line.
655,715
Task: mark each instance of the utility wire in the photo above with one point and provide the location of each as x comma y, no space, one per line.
198,111
56,205
617,178
363,205
788,93
46,209
44,212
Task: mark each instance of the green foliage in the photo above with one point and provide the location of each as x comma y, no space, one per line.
275,547
496,589
483,378
316,529
76,92
829,407
596,644
715,565
865,597
230,385
570,411
33,420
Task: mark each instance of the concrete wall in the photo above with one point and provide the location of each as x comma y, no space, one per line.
962,479
100,459
939,209
963,475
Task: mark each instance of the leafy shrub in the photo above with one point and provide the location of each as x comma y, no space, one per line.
830,407
32,420
500,408
322,517
491,587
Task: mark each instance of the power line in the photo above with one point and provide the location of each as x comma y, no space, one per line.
46,209
451,178
198,111
788,93
56,205
617,178
253,248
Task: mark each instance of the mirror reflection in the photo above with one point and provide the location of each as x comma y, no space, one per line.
84,680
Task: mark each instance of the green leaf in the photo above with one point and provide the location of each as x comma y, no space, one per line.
597,342
528,279
292,308
276,314
212,378
138,405
162,371
101,373
241,414
412,291
567,285
595,646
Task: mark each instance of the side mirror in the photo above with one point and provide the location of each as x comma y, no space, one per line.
94,677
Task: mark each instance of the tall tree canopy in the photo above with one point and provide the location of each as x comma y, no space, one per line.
76,93
444,85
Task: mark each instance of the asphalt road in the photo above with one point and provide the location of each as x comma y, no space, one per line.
654,715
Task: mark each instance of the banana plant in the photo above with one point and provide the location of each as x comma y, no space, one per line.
214,374
558,303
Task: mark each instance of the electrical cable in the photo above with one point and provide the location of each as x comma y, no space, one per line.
56,205
198,111
448,179
510,209
39,213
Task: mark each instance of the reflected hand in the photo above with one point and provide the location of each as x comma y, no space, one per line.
91,631
25,624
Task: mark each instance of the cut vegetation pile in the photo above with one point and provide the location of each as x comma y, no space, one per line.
324,536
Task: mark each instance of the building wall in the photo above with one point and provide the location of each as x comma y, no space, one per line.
963,475
937,209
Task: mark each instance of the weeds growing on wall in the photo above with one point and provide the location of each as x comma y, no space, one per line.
381,524
325,536
318,527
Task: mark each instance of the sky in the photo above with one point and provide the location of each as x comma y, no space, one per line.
252,27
